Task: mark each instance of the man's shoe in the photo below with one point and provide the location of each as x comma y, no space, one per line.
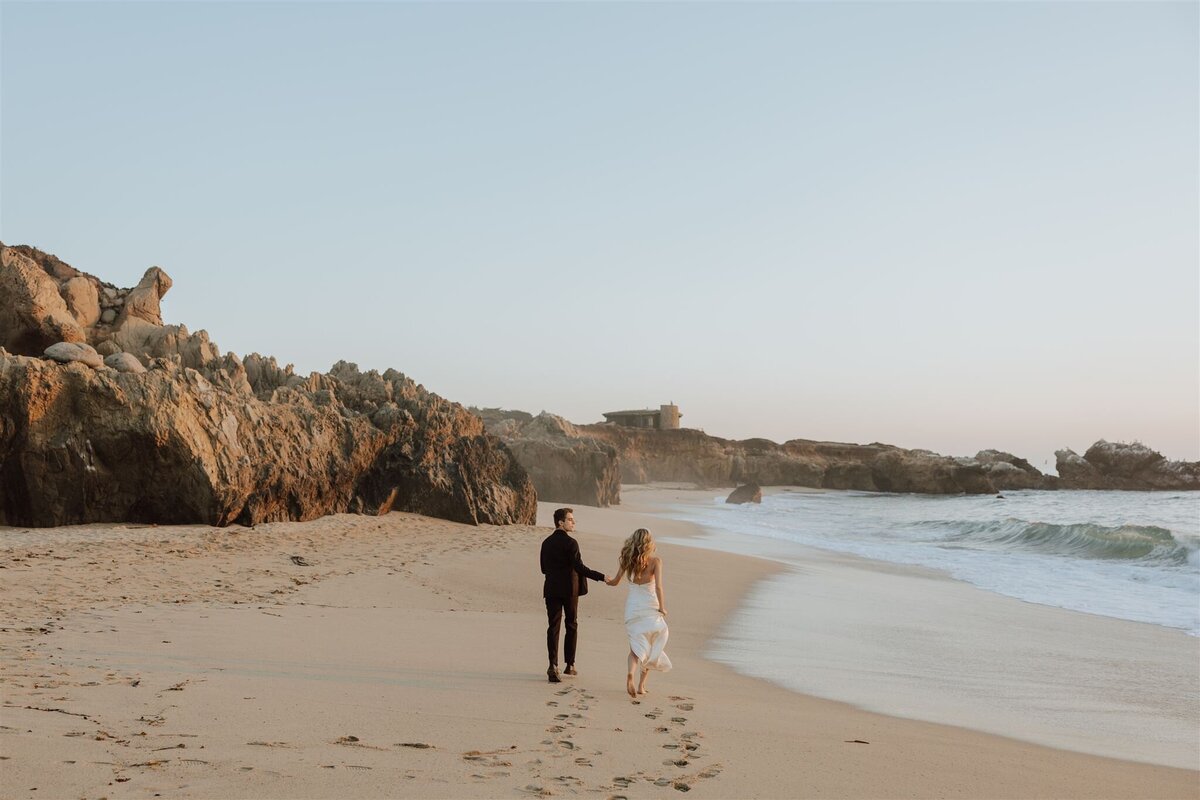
552,675
570,670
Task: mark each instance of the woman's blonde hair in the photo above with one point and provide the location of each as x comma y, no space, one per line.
635,554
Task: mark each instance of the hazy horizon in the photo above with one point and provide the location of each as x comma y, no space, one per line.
946,226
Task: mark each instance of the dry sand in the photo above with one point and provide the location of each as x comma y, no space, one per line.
404,657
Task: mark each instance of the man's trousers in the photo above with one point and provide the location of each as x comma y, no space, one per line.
556,609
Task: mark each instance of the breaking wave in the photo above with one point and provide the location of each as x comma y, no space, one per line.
1147,544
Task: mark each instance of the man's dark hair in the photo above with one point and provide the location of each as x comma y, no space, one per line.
560,514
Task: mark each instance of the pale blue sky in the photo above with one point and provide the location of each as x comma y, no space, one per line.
950,226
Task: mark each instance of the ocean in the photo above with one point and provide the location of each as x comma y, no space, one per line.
965,610
1128,555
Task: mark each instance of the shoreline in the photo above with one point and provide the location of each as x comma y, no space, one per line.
916,642
202,662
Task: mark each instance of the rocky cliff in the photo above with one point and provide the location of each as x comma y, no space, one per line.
165,428
587,463
565,465
1115,465
691,456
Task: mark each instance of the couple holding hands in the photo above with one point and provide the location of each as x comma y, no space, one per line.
645,610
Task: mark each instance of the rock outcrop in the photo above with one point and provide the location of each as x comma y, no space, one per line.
200,437
1007,471
693,456
746,493
1116,465
565,465
587,463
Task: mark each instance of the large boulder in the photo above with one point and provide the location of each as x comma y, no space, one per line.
123,362
746,493
1129,466
71,352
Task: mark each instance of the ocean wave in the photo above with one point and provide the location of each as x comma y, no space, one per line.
1148,544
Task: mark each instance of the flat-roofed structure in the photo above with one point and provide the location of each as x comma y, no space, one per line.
663,418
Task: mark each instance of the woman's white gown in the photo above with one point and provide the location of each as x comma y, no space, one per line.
647,629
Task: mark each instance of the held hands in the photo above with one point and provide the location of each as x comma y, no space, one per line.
613,581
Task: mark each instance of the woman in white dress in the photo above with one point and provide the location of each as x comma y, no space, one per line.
645,609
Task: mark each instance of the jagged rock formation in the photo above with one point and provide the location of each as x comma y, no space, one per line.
1007,471
747,493
565,465
205,437
1116,465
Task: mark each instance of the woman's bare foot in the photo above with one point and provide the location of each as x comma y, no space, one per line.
629,685
641,689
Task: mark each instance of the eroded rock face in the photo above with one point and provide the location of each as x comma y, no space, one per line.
33,315
1007,471
1116,465
565,466
207,438
692,456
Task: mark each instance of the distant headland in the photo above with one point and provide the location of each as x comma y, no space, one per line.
588,463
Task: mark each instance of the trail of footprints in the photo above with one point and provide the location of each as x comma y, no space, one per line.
566,768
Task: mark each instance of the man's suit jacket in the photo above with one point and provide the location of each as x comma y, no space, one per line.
566,574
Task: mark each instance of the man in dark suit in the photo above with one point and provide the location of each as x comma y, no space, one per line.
566,580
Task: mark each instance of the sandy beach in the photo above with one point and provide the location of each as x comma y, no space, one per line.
402,656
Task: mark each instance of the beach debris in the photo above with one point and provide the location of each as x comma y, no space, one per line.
58,711
856,741
299,561
415,745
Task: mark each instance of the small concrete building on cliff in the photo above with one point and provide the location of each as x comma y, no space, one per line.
664,418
